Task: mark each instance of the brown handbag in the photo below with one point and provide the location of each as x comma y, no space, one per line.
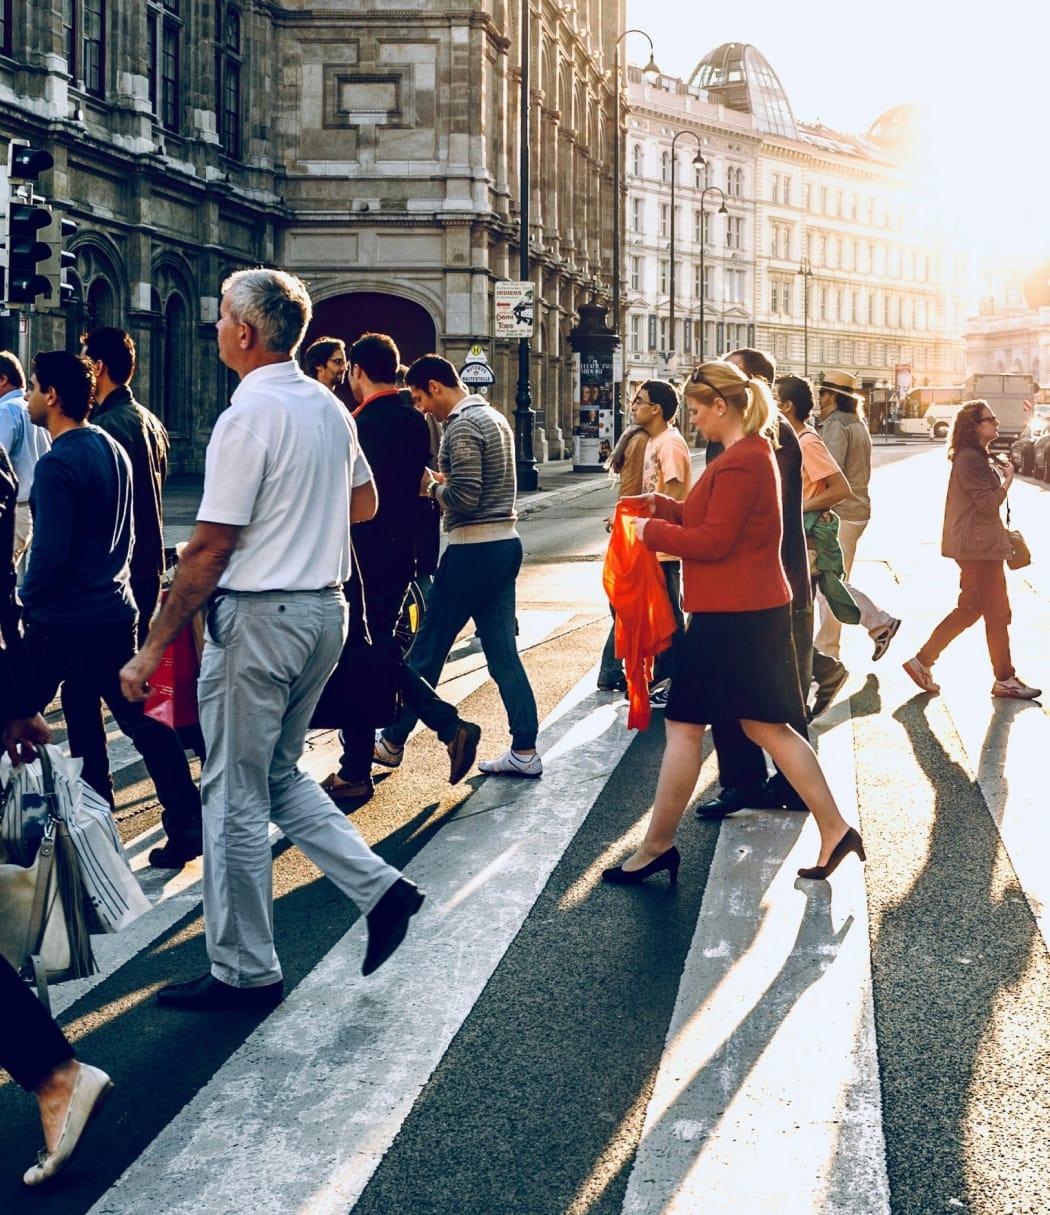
1020,554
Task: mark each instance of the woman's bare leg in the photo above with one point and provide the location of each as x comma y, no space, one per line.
798,761
678,772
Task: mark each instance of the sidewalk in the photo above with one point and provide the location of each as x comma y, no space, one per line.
558,484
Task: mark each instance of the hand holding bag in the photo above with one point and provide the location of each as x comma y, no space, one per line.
1020,554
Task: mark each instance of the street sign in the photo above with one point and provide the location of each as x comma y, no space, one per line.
476,354
618,365
515,309
477,374
664,363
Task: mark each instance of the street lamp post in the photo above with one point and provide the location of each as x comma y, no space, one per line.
806,271
722,210
524,415
698,160
650,69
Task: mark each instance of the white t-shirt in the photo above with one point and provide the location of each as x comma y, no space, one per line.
281,463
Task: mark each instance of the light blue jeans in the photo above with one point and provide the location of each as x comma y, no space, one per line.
267,658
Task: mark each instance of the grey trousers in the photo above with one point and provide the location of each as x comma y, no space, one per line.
267,657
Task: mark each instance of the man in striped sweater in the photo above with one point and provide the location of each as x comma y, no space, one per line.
475,488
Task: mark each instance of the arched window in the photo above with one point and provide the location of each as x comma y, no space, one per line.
636,160
175,391
665,166
101,305
228,99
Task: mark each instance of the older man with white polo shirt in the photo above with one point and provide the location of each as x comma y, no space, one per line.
284,480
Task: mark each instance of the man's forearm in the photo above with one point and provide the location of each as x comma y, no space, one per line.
195,579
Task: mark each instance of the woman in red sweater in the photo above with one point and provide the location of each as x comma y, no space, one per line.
737,658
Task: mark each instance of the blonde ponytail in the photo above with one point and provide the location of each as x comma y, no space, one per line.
760,413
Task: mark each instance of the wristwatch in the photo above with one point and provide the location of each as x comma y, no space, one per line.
432,487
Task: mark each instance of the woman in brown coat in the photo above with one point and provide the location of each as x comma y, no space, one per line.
974,536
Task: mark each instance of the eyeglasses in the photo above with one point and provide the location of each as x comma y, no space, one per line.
988,417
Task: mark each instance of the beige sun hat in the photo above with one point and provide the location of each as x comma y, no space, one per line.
842,383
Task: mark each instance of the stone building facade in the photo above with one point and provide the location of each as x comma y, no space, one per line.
371,149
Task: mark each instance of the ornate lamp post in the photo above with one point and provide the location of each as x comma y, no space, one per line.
650,69
524,415
722,210
805,270
699,161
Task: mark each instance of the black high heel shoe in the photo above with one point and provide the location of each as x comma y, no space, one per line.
669,860
850,842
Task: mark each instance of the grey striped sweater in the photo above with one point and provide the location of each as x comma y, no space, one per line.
477,459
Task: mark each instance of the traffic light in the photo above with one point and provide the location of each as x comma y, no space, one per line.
25,216
59,260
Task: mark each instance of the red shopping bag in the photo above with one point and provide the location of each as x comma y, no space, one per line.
173,699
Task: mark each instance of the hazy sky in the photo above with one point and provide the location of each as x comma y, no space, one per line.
983,69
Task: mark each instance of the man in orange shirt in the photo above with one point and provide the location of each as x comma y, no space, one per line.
667,469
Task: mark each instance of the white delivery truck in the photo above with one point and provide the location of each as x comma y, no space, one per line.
1010,397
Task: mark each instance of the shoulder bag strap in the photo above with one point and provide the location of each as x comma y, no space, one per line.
37,924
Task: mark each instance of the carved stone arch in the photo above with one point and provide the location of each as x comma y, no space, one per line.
171,272
428,298
102,277
173,302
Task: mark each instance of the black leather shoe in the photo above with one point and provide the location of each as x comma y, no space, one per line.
462,751
388,922
729,801
174,854
209,993
777,794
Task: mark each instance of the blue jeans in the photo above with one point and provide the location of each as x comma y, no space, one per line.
475,580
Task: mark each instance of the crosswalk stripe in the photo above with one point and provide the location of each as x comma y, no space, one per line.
772,1040
351,1058
175,895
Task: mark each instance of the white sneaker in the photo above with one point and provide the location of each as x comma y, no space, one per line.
1014,689
386,755
882,638
922,675
510,763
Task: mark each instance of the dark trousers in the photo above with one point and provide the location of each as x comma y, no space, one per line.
982,592
31,1044
475,581
663,668
383,609
742,763
666,662
90,657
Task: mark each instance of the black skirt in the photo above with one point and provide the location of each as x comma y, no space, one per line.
735,665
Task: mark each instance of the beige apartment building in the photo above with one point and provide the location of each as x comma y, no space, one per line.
884,300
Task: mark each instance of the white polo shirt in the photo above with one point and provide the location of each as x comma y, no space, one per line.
281,463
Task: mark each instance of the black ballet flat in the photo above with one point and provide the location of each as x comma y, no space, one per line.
669,860
850,842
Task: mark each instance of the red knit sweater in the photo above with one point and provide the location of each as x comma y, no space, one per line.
727,532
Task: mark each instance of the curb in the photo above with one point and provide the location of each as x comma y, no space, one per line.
555,497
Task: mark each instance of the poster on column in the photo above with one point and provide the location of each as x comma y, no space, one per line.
594,431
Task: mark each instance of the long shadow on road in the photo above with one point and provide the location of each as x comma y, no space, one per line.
949,949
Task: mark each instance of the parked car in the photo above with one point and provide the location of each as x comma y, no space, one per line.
1041,457
1022,449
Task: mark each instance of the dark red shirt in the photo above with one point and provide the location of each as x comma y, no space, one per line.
728,533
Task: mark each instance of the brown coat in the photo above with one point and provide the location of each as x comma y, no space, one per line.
973,529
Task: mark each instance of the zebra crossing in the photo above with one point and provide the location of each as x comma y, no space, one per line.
542,1043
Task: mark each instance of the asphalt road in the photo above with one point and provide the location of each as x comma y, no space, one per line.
548,1093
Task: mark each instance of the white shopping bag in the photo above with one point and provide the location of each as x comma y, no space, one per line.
110,888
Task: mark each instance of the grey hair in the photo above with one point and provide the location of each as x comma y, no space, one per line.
276,305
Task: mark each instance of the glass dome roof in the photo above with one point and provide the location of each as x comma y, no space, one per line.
738,76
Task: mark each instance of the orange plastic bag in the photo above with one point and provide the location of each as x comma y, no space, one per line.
645,622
